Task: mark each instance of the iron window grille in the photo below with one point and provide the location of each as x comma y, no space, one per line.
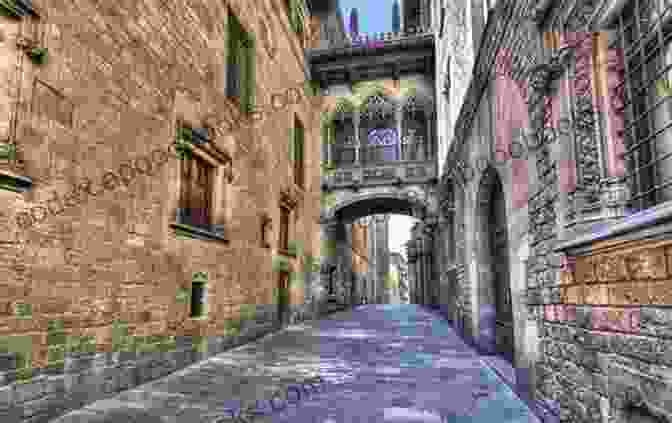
644,35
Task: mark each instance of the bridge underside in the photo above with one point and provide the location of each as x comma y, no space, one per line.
374,206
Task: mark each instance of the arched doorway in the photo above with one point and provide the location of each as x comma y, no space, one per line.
495,314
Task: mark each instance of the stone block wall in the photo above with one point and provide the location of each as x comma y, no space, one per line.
592,326
606,341
86,241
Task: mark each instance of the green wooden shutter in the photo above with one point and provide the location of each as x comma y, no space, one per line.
299,144
250,75
243,64
300,16
296,16
233,62
291,142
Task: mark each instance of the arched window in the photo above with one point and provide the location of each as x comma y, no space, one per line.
344,134
415,131
377,130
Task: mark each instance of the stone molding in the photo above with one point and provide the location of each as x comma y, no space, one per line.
416,201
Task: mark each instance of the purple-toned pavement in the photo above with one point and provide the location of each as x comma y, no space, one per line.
381,363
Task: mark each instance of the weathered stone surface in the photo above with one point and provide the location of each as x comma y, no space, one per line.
656,322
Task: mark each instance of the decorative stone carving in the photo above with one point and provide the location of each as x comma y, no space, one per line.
587,148
629,293
596,294
386,173
585,269
566,277
647,264
537,12
660,293
540,78
610,268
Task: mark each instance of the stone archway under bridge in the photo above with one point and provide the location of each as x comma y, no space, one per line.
350,206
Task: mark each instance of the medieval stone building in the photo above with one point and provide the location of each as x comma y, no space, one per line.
552,241
147,201
378,133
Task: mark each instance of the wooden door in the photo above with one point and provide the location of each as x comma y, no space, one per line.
500,265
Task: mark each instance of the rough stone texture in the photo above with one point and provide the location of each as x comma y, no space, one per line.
117,79
601,346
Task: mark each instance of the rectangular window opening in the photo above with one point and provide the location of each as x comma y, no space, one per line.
197,299
196,183
298,153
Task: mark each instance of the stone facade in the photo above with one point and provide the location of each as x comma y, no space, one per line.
536,145
364,174
118,79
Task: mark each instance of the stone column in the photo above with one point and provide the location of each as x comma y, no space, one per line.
371,228
344,259
399,119
358,145
330,146
410,253
382,256
329,256
425,270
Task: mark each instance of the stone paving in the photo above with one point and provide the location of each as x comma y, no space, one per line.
381,363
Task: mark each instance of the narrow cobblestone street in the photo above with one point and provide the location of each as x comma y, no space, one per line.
392,363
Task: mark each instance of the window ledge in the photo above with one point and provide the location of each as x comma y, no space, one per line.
13,182
198,233
653,223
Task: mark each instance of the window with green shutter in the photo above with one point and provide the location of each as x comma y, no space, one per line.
296,14
240,82
298,141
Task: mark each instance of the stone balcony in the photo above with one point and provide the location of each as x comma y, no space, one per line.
383,173
374,56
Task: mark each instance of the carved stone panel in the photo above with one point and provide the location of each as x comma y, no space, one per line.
385,173
610,268
416,172
343,177
629,293
647,264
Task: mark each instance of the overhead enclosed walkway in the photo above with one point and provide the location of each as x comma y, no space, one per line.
381,363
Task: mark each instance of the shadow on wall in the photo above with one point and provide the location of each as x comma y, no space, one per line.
486,329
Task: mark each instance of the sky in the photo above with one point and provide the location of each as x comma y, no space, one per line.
374,15
399,232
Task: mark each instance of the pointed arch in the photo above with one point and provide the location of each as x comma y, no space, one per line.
343,108
378,133
342,126
417,124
